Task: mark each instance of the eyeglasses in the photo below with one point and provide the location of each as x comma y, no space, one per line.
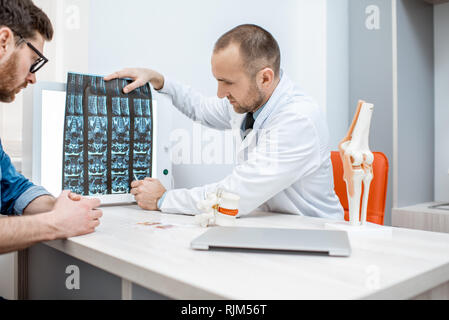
40,62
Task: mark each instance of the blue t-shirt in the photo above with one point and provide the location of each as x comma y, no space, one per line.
16,192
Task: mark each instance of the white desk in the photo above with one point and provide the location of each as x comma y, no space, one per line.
403,266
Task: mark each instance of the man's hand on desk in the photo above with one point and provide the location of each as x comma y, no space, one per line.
74,215
140,76
147,193
74,196
46,204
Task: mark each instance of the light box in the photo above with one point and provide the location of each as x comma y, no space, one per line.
43,139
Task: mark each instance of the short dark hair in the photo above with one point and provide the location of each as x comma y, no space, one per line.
258,47
25,19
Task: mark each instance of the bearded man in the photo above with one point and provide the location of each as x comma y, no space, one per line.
34,215
283,164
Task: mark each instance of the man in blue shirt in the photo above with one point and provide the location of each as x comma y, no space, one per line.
34,214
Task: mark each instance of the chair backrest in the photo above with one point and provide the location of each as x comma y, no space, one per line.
378,188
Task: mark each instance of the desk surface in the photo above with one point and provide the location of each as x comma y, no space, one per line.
399,266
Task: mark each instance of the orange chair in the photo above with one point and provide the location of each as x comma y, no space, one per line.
378,189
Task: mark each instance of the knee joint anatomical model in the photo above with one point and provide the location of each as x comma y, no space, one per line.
358,163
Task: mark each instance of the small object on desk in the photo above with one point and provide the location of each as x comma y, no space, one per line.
149,223
228,209
220,208
205,219
157,225
207,207
165,226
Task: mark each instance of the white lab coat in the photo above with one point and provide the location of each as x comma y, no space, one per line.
282,166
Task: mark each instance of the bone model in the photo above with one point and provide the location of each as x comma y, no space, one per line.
358,163
218,208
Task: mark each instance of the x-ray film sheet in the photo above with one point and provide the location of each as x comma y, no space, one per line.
107,135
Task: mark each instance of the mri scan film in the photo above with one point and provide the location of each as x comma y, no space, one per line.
107,135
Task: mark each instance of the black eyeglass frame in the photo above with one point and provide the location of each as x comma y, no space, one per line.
36,66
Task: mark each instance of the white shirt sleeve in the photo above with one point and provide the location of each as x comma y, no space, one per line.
284,153
211,112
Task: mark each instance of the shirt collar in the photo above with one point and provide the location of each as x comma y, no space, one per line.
256,114
262,113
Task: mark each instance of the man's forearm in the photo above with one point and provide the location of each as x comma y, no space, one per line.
40,205
18,233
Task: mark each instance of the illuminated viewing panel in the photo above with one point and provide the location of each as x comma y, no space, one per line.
124,141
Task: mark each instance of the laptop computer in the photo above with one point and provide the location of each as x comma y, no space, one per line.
330,242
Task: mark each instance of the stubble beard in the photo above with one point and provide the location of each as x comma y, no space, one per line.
8,76
256,99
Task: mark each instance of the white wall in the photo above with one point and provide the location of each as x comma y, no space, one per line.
11,120
177,37
441,16
337,72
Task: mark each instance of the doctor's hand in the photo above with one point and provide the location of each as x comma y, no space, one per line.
140,76
147,193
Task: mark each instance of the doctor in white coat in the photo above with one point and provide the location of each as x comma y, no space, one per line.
283,163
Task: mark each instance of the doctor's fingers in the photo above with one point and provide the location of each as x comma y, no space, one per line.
139,190
134,191
124,73
135,74
134,85
136,184
142,186
145,197
148,205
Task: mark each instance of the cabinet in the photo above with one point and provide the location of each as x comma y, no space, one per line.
424,216
391,65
